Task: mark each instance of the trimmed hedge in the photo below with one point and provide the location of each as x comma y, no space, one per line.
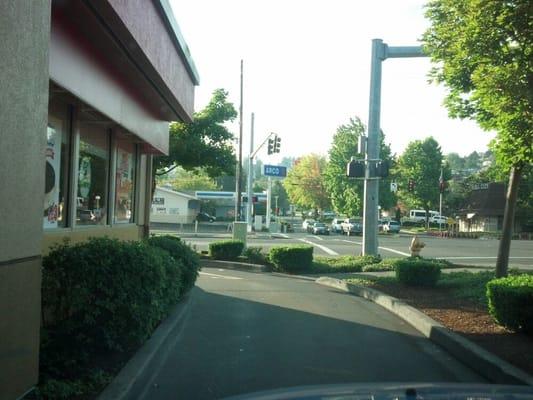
414,271
99,298
291,258
187,258
226,249
511,302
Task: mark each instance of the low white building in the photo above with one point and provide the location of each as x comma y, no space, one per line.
169,206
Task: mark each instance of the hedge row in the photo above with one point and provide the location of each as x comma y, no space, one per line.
510,302
106,296
226,249
415,271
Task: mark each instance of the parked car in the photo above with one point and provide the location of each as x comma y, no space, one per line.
391,227
319,228
352,226
307,224
439,219
336,225
205,217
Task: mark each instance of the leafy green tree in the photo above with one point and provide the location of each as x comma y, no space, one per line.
483,54
305,183
455,161
421,162
190,181
347,194
206,142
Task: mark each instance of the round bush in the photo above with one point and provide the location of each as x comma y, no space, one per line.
226,249
510,302
291,258
417,272
186,257
105,294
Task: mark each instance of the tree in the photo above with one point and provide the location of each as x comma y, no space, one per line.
205,142
421,162
483,54
190,181
347,194
305,183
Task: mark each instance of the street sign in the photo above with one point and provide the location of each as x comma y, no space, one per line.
393,187
275,170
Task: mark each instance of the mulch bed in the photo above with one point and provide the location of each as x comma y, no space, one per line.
468,319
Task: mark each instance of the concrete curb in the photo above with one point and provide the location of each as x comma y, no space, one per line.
477,358
240,266
121,385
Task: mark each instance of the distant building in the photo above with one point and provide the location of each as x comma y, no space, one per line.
484,209
169,206
223,203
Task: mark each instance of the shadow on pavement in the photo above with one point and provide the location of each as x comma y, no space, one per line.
232,346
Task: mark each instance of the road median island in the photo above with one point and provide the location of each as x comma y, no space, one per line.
472,355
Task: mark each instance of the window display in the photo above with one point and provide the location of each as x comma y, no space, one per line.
125,182
56,168
93,172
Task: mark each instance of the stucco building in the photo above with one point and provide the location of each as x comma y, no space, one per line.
87,91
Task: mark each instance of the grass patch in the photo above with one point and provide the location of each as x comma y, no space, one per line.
471,286
342,264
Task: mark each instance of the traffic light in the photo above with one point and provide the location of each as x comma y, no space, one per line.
442,186
382,169
411,185
355,169
277,144
270,146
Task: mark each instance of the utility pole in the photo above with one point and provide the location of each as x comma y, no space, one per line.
250,178
380,52
238,188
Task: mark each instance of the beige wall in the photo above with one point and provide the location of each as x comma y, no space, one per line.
122,232
24,29
20,305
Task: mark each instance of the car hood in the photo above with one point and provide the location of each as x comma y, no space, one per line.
396,391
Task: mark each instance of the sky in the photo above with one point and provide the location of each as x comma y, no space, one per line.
307,71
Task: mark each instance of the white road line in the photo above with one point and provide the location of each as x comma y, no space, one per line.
324,248
318,237
282,235
382,248
219,276
395,251
349,241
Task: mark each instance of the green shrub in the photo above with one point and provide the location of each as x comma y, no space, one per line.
186,257
291,258
511,302
416,271
388,264
99,297
226,249
255,255
343,263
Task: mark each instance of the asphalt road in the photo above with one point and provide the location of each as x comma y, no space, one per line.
460,251
247,332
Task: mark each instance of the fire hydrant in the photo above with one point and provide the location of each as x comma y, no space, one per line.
416,246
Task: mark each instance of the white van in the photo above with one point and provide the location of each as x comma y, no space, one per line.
420,215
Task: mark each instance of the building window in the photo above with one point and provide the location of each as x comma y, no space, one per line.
125,182
57,166
93,174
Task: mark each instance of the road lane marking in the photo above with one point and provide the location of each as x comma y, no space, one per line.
324,248
349,241
318,237
379,247
282,235
219,276
402,253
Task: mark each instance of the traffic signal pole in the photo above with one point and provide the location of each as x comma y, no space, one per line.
380,52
